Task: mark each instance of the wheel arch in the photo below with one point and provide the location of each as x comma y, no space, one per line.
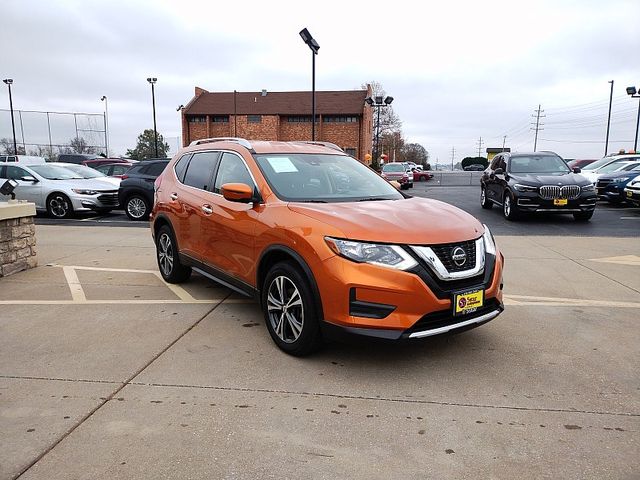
279,253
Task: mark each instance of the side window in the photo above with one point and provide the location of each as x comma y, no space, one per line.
156,169
200,170
16,172
119,169
232,170
181,167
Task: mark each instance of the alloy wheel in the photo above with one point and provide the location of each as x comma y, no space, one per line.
507,206
285,309
136,207
58,206
165,254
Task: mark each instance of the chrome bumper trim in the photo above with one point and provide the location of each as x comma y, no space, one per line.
436,331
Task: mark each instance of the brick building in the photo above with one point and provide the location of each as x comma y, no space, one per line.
343,117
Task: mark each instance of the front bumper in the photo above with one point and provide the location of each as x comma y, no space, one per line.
632,195
101,201
532,202
364,299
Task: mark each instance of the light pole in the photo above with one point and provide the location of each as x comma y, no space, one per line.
606,142
179,109
313,45
9,81
152,81
106,125
634,94
378,102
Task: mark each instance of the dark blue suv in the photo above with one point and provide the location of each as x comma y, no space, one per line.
610,187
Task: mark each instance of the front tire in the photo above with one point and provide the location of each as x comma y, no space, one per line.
59,206
509,208
136,207
171,269
290,311
484,201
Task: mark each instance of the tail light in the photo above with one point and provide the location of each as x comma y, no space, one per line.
124,177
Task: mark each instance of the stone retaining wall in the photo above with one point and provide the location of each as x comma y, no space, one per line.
17,244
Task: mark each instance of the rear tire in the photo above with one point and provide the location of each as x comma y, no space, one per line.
290,310
171,269
583,216
136,207
484,201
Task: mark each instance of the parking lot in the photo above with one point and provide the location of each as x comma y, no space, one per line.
108,372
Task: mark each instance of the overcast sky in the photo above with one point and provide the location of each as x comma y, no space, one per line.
458,70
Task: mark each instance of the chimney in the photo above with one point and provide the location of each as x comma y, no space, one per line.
264,92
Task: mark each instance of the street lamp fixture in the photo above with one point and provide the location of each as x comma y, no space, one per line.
9,82
313,45
106,125
152,81
633,93
377,102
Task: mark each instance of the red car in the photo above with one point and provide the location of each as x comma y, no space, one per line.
579,163
419,175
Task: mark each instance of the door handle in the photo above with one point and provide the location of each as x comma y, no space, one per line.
207,209
174,196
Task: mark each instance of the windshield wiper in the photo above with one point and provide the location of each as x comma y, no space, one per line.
312,201
373,199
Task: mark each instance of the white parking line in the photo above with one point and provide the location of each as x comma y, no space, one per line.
77,293
565,302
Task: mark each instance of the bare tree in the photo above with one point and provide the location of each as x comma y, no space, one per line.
6,147
79,145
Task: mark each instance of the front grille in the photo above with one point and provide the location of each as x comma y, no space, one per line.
603,183
109,199
445,252
445,318
549,192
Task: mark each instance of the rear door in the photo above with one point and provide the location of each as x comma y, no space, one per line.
26,189
188,195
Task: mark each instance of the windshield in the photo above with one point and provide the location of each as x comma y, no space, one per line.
84,172
54,172
323,178
394,167
598,163
612,167
537,164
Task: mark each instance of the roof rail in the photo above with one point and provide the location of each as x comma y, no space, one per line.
240,141
322,144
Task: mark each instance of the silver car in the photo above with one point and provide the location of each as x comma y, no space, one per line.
60,191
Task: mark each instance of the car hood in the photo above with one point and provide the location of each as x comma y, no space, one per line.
417,221
610,176
550,178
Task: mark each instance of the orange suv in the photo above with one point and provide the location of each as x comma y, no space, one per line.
322,242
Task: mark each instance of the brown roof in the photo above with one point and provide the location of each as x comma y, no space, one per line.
349,102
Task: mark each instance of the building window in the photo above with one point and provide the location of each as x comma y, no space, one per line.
254,118
299,118
220,118
197,119
340,119
350,151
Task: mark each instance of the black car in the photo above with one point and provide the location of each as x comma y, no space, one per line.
536,182
78,158
136,188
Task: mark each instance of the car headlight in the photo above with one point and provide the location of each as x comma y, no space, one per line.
620,180
391,256
81,191
489,242
525,188
589,188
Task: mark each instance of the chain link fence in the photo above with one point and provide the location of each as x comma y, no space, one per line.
48,134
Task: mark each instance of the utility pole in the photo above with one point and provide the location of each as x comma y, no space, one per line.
606,142
453,154
538,125
480,146
504,140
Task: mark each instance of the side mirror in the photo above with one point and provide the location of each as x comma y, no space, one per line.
576,170
237,192
29,178
499,171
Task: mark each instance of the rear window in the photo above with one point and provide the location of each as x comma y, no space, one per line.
393,167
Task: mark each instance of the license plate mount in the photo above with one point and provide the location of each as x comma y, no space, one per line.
467,302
